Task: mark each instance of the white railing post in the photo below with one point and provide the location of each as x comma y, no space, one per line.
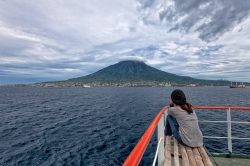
160,135
229,132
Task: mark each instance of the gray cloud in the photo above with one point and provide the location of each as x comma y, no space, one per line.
210,18
146,3
54,40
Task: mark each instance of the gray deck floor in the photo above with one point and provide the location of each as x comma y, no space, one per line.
232,161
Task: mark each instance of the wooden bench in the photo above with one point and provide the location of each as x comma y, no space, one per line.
183,155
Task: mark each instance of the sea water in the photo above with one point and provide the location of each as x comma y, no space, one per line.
100,126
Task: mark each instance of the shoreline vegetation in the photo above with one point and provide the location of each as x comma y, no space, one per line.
99,84
140,84
131,73
73,85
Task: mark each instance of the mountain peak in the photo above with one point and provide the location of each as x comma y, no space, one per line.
131,61
137,72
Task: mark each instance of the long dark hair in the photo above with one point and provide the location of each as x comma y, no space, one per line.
187,107
179,98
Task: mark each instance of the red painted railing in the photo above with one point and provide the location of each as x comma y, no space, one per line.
135,156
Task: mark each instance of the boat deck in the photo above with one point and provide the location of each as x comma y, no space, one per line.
222,161
229,158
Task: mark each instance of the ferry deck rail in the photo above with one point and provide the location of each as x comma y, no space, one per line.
159,121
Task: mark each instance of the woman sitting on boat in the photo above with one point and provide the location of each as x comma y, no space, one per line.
182,121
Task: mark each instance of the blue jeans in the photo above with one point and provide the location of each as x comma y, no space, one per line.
172,128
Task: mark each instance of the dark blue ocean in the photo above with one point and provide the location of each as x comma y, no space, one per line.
100,126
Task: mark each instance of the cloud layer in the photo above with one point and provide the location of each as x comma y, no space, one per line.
55,40
210,19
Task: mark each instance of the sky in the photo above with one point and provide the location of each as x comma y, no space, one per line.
46,40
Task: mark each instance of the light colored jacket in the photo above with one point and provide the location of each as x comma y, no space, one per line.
188,126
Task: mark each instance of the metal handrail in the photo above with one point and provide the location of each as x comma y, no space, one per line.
223,108
221,121
229,137
135,156
157,150
228,121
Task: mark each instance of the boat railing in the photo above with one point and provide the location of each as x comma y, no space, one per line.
228,121
158,122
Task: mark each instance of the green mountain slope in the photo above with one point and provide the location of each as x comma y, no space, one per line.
135,72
